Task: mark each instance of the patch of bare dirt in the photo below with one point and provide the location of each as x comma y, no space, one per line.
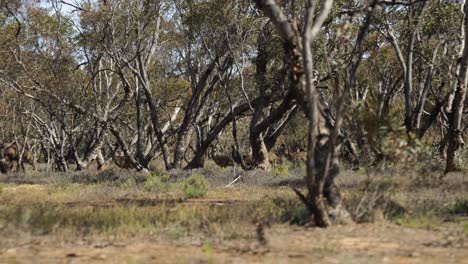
378,243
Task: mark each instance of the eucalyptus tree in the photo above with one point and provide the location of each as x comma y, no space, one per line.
455,129
427,29
414,14
299,53
159,51
324,123
47,54
254,86
38,58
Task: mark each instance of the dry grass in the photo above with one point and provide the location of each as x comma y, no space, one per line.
126,202
120,205
136,209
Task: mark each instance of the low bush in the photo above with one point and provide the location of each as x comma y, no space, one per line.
156,182
460,206
129,183
196,186
280,170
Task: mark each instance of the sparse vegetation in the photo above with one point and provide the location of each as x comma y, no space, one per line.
460,206
208,250
196,186
159,201
428,221
156,204
230,130
280,170
154,183
465,227
129,183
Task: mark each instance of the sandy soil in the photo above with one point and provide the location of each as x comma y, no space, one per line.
365,243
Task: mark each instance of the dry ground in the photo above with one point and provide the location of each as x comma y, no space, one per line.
365,243
111,219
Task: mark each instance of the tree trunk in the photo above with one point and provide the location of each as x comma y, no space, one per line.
315,179
408,84
94,150
125,150
259,152
300,60
432,116
407,63
100,160
186,128
273,134
454,132
182,142
422,99
140,126
197,161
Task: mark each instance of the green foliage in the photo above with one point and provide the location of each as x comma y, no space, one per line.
465,227
215,16
212,168
442,18
387,140
428,221
280,170
129,183
295,133
47,25
40,217
156,182
172,88
209,252
196,186
460,206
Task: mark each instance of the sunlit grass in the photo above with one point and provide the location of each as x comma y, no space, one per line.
165,204
428,221
154,206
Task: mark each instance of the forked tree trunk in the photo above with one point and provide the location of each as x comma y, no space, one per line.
407,63
95,149
128,156
315,179
60,163
275,121
300,60
198,159
259,150
193,109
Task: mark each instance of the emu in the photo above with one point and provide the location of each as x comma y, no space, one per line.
10,153
293,156
122,162
220,158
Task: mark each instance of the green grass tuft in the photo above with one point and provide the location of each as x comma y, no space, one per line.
196,186
280,170
427,221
